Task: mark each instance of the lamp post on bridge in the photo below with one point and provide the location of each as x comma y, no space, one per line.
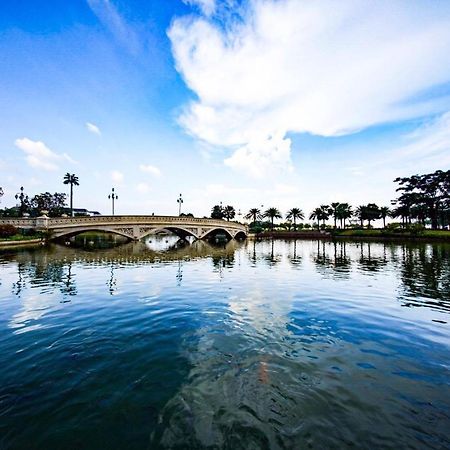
113,197
179,201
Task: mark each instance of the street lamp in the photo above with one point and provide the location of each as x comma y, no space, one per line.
179,201
113,197
23,198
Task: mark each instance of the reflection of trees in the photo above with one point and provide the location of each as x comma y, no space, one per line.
368,261
19,285
271,257
294,259
321,258
112,282
69,287
425,272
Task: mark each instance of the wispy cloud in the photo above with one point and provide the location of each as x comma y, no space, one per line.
152,170
308,67
39,156
93,128
207,7
116,24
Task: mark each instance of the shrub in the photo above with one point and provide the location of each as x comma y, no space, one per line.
415,228
7,231
393,226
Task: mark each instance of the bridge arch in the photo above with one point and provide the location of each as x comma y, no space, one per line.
214,231
181,232
74,232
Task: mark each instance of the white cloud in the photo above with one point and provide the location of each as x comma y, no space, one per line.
302,66
206,6
117,176
152,170
261,157
143,188
39,156
93,128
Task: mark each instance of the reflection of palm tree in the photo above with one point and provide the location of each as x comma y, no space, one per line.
72,179
272,213
294,214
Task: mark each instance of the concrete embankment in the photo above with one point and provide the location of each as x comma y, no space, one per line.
9,244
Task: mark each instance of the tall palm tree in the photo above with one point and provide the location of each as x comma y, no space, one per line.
272,213
254,214
294,214
321,213
384,212
229,212
335,211
72,179
360,213
344,212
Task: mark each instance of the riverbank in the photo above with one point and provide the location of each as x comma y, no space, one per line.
21,240
424,236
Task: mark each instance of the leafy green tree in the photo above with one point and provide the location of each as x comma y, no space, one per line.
372,212
54,204
294,214
72,179
431,190
254,215
217,212
272,213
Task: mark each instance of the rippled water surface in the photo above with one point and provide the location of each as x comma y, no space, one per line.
285,344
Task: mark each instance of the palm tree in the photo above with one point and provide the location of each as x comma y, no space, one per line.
320,213
72,179
254,214
360,213
344,212
384,212
335,211
294,214
272,213
229,212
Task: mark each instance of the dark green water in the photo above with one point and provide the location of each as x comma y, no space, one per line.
259,345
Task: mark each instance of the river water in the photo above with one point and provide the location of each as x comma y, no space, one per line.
284,344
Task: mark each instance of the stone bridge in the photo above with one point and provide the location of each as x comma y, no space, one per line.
132,227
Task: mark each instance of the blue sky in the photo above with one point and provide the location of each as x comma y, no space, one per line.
276,103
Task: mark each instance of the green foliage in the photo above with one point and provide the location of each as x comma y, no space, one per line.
415,229
217,212
424,197
7,231
394,227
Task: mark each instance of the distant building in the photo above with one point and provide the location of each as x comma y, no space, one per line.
85,212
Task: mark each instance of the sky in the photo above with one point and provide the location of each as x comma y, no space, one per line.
257,103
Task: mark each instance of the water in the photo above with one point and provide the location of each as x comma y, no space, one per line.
285,344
